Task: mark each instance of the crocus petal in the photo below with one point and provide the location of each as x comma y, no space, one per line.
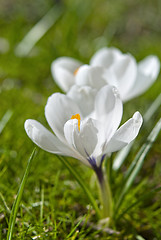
105,57
87,136
148,70
125,70
69,128
110,77
125,134
59,109
90,76
150,66
84,97
85,140
71,132
108,111
63,69
45,139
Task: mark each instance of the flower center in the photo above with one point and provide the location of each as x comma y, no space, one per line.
75,72
77,116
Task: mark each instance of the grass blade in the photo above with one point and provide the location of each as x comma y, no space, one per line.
42,203
145,148
143,197
38,31
4,203
152,109
75,228
81,183
5,120
121,155
18,198
138,162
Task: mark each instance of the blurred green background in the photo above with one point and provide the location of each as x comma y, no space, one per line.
77,29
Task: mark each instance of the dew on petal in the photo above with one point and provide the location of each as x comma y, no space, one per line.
116,92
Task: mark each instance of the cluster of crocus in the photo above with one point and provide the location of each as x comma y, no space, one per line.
85,121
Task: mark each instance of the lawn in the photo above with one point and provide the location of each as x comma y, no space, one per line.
53,204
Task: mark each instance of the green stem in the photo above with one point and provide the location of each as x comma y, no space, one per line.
109,168
105,194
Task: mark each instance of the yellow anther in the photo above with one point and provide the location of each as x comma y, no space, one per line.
77,116
76,70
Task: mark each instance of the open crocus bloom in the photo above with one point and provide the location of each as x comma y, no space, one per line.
141,76
85,137
119,70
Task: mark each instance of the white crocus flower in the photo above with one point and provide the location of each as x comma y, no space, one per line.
108,65
85,137
143,76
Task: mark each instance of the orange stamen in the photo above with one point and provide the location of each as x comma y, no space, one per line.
77,116
76,70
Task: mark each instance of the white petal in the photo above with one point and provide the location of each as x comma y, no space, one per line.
69,129
110,77
125,134
84,97
63,78
71,132
45,139
126,71
84,141
90,76
87,136
105,57
63,70
148,70
150,66
59,109
108,111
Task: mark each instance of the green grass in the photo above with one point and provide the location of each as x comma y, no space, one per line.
53,205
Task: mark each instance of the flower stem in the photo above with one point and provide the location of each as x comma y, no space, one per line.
105,194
